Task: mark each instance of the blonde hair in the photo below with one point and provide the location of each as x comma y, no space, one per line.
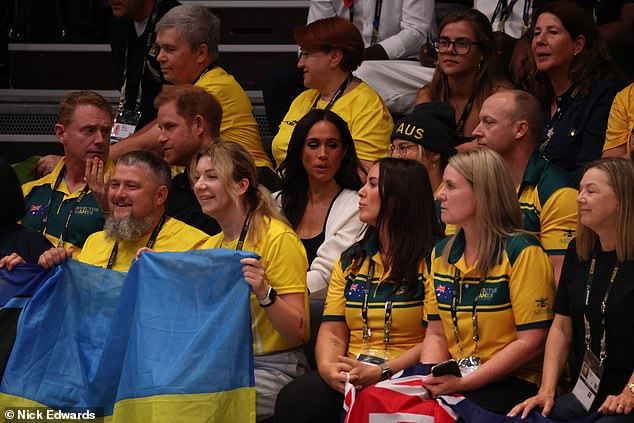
620,174
233,163
498,214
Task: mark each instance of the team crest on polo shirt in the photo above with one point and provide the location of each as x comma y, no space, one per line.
37,210
402,290
542,306
86,210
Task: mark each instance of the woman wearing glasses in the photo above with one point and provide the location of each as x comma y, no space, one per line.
374,306
426,135
331,49
465,69
573,77
490,290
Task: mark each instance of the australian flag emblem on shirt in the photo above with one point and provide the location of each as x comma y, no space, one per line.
355,290
37,209
443,292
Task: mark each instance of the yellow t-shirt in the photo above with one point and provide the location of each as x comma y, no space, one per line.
174,236
285,264
345,299
368,119
519,294
238,123
621,120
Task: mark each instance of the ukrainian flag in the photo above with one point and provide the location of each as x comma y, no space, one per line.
168,342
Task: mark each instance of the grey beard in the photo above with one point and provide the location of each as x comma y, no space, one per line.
128,228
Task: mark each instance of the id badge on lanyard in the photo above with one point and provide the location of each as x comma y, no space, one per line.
471,363
589,379
369,354
591,372
125,124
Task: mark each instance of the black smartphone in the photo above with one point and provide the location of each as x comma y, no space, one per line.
449,367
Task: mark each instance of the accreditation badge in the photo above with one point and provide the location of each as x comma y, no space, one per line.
587,385
125,124
370,359
468,365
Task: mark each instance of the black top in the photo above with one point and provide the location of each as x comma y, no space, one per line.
609,11
580,132
121,32
183,205
619,363
28,243
311,245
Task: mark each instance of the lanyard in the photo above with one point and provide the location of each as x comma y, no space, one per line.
150,29
551,122
586,308
464,116
337,94
375,22
387,324
474,312
207,69
243,232
505,9
44,223
150,242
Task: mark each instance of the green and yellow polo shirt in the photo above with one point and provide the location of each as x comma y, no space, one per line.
86,219
518,295
548,199
345,299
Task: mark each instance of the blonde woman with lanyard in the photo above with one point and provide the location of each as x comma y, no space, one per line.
370,330
490,289
225,185
593,319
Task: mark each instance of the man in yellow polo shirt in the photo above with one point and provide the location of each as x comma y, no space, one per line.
137,193
187,37
511,124
61,205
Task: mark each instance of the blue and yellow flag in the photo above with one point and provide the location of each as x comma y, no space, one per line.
170,341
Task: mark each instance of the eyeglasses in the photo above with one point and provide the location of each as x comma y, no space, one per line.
306,53
401,151
461,46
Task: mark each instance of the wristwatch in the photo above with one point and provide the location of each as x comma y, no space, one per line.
631,386
269,299
386,372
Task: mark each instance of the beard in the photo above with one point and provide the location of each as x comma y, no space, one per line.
127,228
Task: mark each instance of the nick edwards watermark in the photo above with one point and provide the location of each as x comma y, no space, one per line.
34,414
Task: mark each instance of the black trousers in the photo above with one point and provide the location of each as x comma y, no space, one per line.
308,399
500,397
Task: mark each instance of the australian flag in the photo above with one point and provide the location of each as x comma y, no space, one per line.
404,399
